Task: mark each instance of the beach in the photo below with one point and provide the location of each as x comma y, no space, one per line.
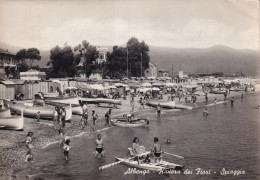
13,146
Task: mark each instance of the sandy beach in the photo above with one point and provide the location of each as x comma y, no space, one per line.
12,145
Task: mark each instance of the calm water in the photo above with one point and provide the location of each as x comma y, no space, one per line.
227,138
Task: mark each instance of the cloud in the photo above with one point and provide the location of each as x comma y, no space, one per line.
196,32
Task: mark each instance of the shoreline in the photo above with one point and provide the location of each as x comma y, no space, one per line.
12,149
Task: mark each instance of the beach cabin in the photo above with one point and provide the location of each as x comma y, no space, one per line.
7,90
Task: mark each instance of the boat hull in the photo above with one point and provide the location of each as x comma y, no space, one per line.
45,112
14,122
133,124
168,105
157,167
5,112
100,100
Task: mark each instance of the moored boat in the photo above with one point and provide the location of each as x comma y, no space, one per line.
100,100
182,106
123,122
45,112
12,122
218,91
157,167
5,112
168,104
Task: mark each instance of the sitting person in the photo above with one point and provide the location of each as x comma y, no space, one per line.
129,117
137,149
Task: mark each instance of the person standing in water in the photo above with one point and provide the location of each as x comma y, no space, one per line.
232,101
158,108
99,146
108,117
38,116
66,149
156,150
94,118
29,146
205,112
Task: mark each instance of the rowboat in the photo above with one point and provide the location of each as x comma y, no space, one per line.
30,110
73,100
218,91
5,112
161,166
100,100
168,104
13,122
123,122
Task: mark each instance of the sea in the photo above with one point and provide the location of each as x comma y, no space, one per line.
223,145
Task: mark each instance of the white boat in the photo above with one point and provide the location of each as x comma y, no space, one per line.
13,122
100,100
123,122
182,106
45,112
161,166
5,112
163,104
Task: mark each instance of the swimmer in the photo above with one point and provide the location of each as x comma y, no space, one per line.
99,146
205,112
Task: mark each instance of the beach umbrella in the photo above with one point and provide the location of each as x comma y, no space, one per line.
119,84
146,85
70,88
170,84
155,89
145,90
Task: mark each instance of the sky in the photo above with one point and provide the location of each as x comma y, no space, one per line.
165,23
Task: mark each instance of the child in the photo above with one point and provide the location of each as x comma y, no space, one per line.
66,149
38,116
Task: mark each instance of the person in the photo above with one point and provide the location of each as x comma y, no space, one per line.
168,141
132,103
63,116
205,112
232,101
142,102
215,101
99,146
137,149
158,111
29,146
156,150
206,97
257,107
108,117
55,118
129,117
94,118
38,116
242,96
66,149
225,96
84,118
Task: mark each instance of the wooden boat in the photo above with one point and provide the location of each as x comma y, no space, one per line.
100,100
123,122
162,166
73,100
45,112
167,104
12,122
5,112
218,91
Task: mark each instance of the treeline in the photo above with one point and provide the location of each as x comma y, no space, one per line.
132,60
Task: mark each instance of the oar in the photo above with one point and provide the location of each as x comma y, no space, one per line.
112,164
174,155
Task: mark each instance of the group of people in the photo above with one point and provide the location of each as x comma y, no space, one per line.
94,115
138,149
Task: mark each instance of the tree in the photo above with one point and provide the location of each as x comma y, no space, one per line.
33,54
115,66
138,56
20,58
63,62
89,53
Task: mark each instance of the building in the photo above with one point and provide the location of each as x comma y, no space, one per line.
33,74
163,73
8,66
151,71
102,57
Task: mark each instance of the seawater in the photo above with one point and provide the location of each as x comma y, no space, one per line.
228,138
